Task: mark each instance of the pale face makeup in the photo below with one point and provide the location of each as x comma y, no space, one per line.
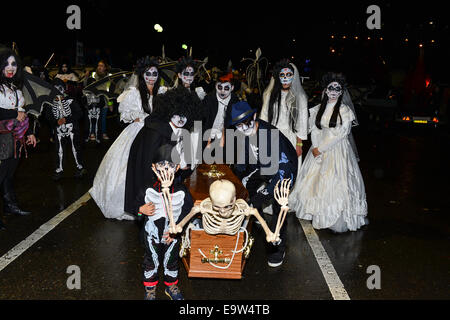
11,68
334,90
178,121
224,89
286,77
187,76
151,75
247,127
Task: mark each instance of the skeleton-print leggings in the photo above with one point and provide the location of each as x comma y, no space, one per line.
157,252
63,145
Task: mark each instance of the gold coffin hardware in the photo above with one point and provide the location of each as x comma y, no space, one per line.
213,172
216,258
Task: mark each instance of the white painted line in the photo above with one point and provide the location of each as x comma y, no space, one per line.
15,252
331,277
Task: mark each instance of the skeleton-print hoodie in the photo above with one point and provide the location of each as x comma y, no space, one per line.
66,108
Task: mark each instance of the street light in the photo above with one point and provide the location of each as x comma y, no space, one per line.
158,28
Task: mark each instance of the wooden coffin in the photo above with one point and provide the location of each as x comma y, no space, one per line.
217,249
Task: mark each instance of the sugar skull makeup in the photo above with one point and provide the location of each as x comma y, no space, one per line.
224,89
151,75
187,76
179,121
286,76
11,68
334,90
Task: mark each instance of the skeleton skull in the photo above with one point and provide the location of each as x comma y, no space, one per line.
223,197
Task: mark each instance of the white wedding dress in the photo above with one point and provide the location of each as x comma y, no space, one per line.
332,192
108,190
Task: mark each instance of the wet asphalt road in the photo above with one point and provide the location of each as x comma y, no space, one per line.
406,174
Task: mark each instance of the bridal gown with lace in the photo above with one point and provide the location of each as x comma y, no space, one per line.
108,189
331,190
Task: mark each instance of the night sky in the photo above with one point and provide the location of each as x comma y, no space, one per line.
235,29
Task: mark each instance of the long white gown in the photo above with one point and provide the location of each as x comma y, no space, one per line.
108,190
332,192
284,126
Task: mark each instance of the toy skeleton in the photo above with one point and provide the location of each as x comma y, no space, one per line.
223,214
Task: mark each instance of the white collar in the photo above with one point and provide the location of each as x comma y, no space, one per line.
223,101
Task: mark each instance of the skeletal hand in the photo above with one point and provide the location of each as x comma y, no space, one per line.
282,194
165,177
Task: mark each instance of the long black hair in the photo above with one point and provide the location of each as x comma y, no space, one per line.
15,82
326,80
141,66
275,95
182,64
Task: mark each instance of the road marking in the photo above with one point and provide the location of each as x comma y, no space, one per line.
15,252
331,277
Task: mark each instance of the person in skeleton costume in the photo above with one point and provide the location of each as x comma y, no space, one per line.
257,174
100,73
332,192
217,109
15,128
285,105
163,201
174,113
64,115
93,105
135,105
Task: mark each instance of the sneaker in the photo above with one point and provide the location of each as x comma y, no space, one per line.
173,292
92,137
105,136
276,259
150,293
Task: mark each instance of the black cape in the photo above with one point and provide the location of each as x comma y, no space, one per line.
140,175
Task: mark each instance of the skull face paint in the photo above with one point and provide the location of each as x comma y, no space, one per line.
334,90
11,68
247,127
187,76
151,75
224,89
286,77
178,121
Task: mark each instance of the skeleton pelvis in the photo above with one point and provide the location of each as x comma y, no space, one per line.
64,129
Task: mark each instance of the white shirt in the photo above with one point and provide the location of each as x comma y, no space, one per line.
9,101
218,125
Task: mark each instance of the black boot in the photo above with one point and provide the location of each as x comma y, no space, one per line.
2,226
10,205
